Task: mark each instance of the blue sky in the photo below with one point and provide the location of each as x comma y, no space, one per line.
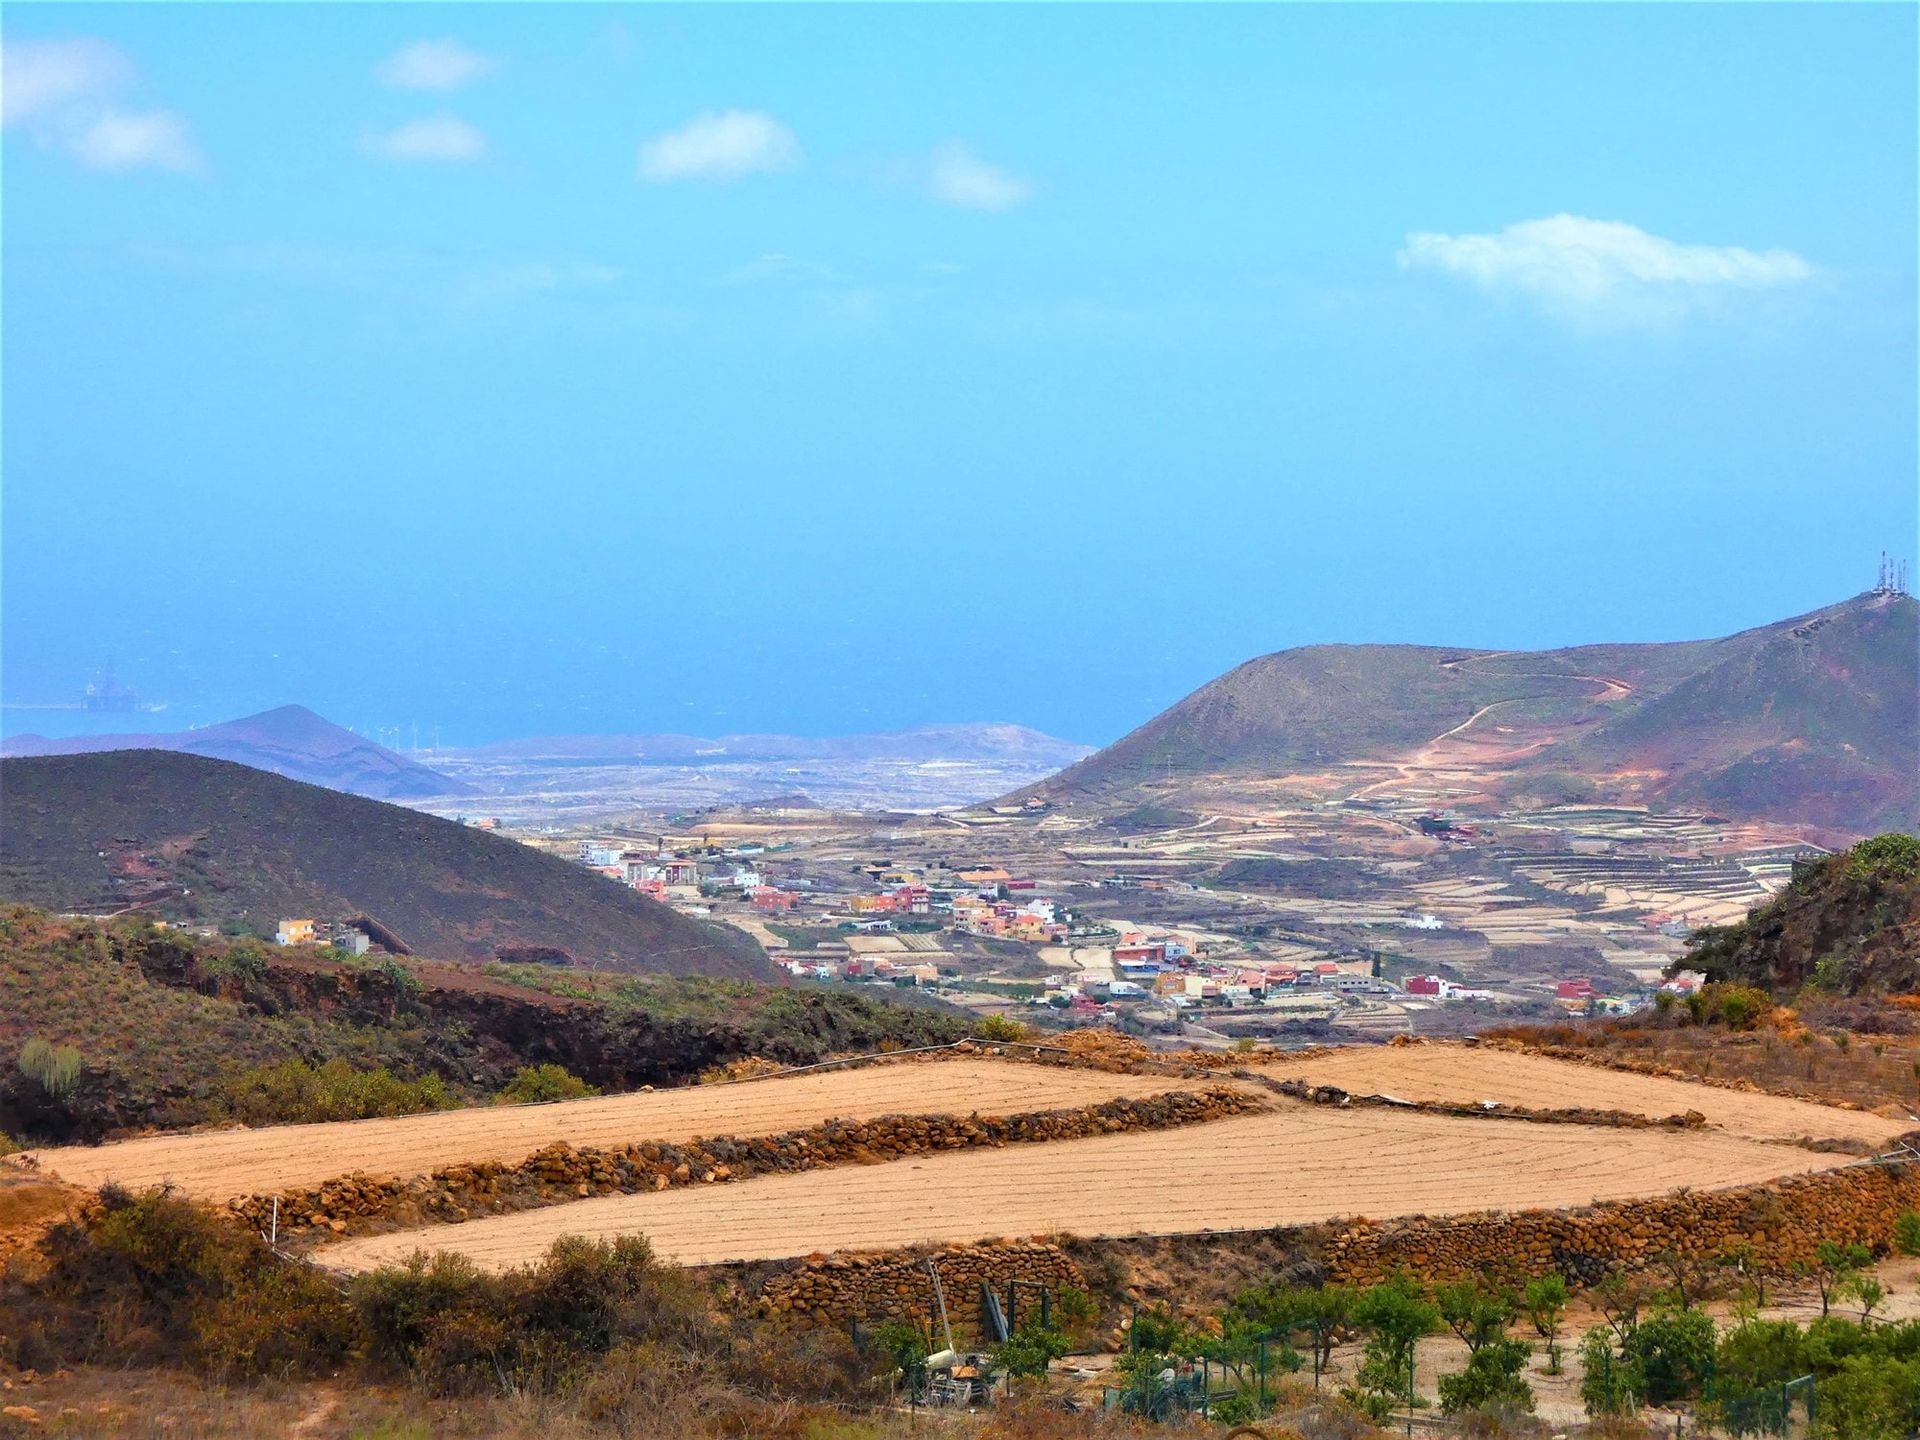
539,369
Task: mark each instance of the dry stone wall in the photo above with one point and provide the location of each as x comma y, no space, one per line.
1778,1225
360,1203
897,1286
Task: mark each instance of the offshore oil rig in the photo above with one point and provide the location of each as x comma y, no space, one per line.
106,693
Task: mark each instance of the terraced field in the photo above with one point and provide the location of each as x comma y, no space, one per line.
1467,1074
221,1165
1296,1165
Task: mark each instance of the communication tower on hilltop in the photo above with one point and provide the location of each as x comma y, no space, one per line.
1893,577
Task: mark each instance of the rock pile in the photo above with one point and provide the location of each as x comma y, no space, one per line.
1775,1226
559,1173
897,1287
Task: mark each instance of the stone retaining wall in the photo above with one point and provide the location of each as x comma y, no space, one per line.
896,1286
360,1203
1782,1223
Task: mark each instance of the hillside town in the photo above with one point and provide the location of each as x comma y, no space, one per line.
994,940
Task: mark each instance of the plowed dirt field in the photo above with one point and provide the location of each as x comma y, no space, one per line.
220,1165
1469,1073
1297,1165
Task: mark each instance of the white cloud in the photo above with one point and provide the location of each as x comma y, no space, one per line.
38,77
959,177
722,145
63,90
1600,269
434,137
119,140
434,65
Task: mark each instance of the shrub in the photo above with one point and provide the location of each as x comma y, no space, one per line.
999,1029
1608,1384
536,1084
1892,856
1396,1315
1030,1350
1495,1378
1673,1354
54,1068
1906,1232
149,1279
456,1331
243,960
1740,1007
295,1092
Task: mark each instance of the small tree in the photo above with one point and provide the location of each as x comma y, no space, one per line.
1608,1385
1545,1300
1495,1377
1397,1316
1833,1265
1477,1314
1673,1354
906,1347
1867,1289
1030,1350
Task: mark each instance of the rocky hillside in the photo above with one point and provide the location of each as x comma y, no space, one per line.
194,839
290,741
1847,925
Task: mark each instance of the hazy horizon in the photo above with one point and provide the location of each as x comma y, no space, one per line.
547,370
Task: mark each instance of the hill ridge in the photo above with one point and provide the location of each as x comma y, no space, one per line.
192,838
1815,718
288,740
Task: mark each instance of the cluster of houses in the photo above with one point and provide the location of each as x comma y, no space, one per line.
337,933
865,967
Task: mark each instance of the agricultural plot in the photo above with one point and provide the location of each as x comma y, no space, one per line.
1469,1074
224,1164
1295,1165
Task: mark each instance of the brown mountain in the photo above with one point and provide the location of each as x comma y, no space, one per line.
290,741
196,839
1814,720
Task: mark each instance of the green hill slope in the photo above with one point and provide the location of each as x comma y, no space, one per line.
1848,924
196,839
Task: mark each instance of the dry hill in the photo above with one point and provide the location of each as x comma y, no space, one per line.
290,741
192,838
1814,720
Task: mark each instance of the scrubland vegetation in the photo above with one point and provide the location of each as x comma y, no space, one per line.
113,1026
604,1339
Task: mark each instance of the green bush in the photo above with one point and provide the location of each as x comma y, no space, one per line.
1495,1378
1892,856
1906,1232
1609,1385
1030,1350
1673,1354
999,1029
244,960
56,1069
536,1084
294,1092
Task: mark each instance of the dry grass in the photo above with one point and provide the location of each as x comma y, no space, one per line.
223,1164
1297,1165
1880,1073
